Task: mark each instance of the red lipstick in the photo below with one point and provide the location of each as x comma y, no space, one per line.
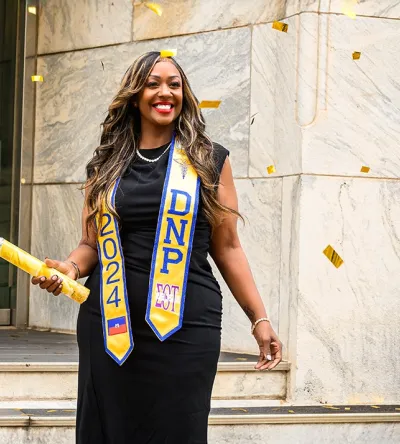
163,107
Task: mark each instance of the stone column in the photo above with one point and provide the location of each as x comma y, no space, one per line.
334,115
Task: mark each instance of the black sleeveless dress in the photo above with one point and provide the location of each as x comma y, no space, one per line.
162,393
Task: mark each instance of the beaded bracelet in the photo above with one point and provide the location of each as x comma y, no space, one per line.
257,322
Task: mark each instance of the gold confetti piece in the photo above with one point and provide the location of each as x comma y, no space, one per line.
68,410
210,104
331,254
356,55
348,8
365,169
155,7
32,10
349,12
37,78
241,359
397,408
239,410
290,411
375,407
331,407
347,408
271,169
23,180
280,26
51,411
168,53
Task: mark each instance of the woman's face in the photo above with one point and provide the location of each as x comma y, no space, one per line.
160,101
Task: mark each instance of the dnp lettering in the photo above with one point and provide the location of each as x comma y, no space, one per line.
176,226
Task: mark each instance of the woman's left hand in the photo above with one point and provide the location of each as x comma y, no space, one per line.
270,347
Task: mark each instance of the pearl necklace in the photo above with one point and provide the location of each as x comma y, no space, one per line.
153,160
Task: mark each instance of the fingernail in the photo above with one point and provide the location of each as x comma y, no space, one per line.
269,357
54,278
42,279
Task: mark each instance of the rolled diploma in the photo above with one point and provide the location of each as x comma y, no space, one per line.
35,267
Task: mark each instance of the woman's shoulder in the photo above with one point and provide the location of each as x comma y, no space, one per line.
220,155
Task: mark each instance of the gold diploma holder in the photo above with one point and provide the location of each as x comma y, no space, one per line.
35,267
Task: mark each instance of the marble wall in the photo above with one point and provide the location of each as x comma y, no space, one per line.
388,433
56,221
295,100
305,433
344,338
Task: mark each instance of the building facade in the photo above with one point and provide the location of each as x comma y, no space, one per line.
295,100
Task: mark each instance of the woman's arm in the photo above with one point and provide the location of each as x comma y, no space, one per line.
231,261
85,257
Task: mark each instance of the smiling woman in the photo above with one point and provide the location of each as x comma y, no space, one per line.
162,95
160,197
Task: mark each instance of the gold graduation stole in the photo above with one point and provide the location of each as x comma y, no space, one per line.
170,262
117,331
173,245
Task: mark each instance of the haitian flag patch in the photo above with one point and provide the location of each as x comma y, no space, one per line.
117,326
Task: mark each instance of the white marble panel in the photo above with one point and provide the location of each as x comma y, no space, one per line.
372,8
305,433
347,319
250,385
75,24
387,433
275,137
73,101
36,386
37,435
381,8
289,268
260,203
360,125
190,16
297,6
56,231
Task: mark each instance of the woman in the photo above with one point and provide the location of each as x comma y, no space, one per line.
153,297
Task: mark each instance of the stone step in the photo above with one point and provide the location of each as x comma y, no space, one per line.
284,424
58,380
40,365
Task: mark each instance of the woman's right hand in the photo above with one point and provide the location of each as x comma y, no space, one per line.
54,285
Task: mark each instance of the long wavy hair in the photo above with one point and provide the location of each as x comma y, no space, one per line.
120,139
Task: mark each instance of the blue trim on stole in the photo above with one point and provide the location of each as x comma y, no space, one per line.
157,239
129,327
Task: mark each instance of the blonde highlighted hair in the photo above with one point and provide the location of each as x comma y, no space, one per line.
120,138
